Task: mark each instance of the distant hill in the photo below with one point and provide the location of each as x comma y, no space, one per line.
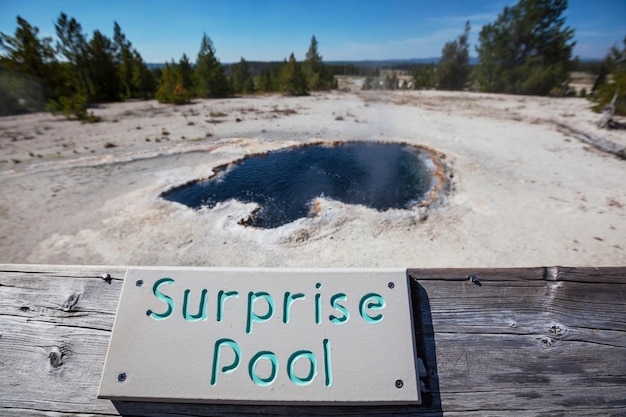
366,63
583,63
387,63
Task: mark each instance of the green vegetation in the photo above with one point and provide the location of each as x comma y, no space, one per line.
527,50
74,107
210,80
242,78
318,76
77,70
171,88
453,69
292,80
425,77
611,81
136,81
26,75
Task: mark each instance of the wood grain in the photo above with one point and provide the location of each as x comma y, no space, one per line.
525,342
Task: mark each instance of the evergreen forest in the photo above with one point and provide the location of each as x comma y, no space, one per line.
528,50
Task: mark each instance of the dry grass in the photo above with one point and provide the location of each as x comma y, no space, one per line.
286,112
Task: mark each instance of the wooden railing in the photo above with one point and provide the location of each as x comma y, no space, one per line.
519,342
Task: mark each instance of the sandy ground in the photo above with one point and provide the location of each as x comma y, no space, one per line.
522,193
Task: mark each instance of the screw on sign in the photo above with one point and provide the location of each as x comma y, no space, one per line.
473,278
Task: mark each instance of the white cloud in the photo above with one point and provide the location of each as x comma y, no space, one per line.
475,19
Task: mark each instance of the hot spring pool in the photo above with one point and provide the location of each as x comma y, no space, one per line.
284,183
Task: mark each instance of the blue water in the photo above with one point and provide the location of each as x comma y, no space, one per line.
286,182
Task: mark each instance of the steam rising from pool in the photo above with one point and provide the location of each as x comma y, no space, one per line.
285,183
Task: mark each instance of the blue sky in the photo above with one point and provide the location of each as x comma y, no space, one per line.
270,30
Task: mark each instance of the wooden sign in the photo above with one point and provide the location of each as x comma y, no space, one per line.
263,335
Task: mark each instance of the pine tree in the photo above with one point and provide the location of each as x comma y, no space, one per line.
123,60
614,86
242,80
209,77
92,70
370,83
142,79
527,50
292,79
135,78
266,82
186,72
312,65
72,44
26,52
103,70
391,81
425,77
171,89
318,77
453,68
28,69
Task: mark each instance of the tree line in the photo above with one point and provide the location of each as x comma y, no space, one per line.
208,78
69,74
76,70
526,50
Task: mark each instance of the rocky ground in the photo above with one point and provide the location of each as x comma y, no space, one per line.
522,191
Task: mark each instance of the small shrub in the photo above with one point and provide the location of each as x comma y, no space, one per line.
91,118
286,112
172,89
109,145
53,107
73,107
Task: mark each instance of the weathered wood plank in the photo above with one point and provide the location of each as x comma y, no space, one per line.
527,342
549,338
593,275
602,144
52,367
